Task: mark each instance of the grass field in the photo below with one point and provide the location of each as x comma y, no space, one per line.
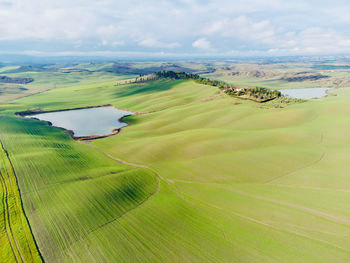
17,244
51,78
69,190
219,179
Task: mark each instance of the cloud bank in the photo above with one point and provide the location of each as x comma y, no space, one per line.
175,27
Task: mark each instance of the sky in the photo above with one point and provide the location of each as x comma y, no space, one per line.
175,28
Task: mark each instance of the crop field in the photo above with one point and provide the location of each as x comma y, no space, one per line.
17,244
69,191
197,176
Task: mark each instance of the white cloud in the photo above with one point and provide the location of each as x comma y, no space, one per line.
106,43
243,28
154,43
201,43
251,26
40,20
318,40
312,40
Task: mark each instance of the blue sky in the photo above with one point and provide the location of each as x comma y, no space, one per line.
174,28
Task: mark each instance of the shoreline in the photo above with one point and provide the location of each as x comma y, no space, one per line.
330,94
32,112
326,93
116,131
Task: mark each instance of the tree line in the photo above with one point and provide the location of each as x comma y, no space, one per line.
259,94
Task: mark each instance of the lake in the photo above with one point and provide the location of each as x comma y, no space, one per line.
86,122
305,93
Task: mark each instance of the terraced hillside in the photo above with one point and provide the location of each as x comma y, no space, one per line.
199,177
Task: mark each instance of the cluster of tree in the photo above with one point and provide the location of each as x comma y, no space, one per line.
176,75
255,93
143,78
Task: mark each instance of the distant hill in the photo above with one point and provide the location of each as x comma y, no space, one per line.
5,79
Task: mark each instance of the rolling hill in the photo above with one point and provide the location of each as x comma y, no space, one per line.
198,177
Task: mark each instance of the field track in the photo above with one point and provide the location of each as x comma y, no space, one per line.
14,221
133,165
6,214
117,159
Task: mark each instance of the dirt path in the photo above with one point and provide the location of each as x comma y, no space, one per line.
299,207
319,213
133,208
129,164
270,226
291,205
24,248
124,162
7,193
304,167
297,170
302,208
7,225
117,159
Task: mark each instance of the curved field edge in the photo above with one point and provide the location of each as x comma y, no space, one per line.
16,241
69,190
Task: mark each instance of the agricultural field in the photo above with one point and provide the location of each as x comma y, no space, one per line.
47,77
197,176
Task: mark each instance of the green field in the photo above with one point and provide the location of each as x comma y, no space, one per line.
206,177
17,243
51,77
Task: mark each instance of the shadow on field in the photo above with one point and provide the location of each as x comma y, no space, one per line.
131,120
129,90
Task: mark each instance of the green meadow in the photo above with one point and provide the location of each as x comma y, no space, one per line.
51,77
197,176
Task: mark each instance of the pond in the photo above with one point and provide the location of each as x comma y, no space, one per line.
305,93
86,122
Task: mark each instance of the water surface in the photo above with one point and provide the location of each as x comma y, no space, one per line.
86,122
305,93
